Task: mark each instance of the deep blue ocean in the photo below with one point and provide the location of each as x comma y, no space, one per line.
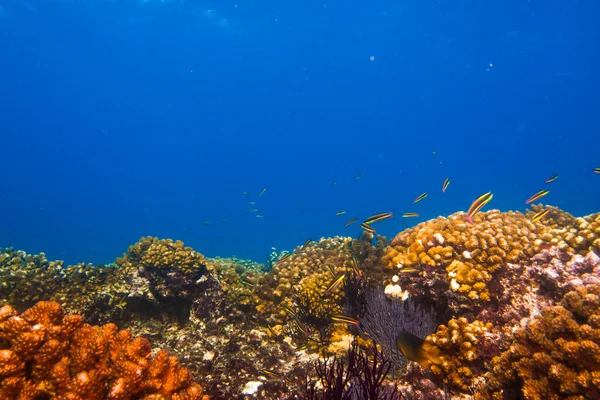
122,119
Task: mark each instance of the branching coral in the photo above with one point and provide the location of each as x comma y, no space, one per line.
457,342
555,355
47,354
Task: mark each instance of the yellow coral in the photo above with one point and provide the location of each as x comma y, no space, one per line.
456,344
471,254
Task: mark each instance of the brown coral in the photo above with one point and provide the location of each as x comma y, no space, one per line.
308,270
167,269
47,354
555,355
457,344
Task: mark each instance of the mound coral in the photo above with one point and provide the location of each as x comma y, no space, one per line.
308,270
455,263
47,354
171,269
555,355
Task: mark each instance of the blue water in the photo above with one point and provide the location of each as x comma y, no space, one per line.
121,119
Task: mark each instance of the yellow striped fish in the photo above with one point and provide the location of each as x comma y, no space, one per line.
420,197
478,205
539,215
537,196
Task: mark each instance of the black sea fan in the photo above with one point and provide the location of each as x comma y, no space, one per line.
382,319
359,376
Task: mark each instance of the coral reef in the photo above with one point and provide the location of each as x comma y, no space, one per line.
166,269
47,354
555,355
516,300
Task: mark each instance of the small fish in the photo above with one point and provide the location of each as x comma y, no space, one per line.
410,215
353,220
344,319
252,203
247,282
367,228
246,193
251,210
259,216
540,215
420,197
335,282
272,373
222,220
378,217
290,311
408,270
300,327
536,196
262,192
340,213
331,270
414,348
334,184
355,267
433,153
597,170
299,201
552,178
445,185
306,243
206,223
357,177
284,257
478,205
303,346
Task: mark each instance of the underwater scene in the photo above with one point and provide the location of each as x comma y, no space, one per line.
334,200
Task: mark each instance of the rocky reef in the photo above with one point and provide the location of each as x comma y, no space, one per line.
515,305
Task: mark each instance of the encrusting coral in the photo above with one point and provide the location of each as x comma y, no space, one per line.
555,355
47,354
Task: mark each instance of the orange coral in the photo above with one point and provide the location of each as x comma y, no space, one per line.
556,355
457,343
45,353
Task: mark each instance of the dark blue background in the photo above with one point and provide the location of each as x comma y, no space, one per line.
122,119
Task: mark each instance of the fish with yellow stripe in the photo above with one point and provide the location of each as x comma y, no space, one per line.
378,217
537,196
367,228
344,319
478,204
445,185
552,178
335,282
420,197
539,215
